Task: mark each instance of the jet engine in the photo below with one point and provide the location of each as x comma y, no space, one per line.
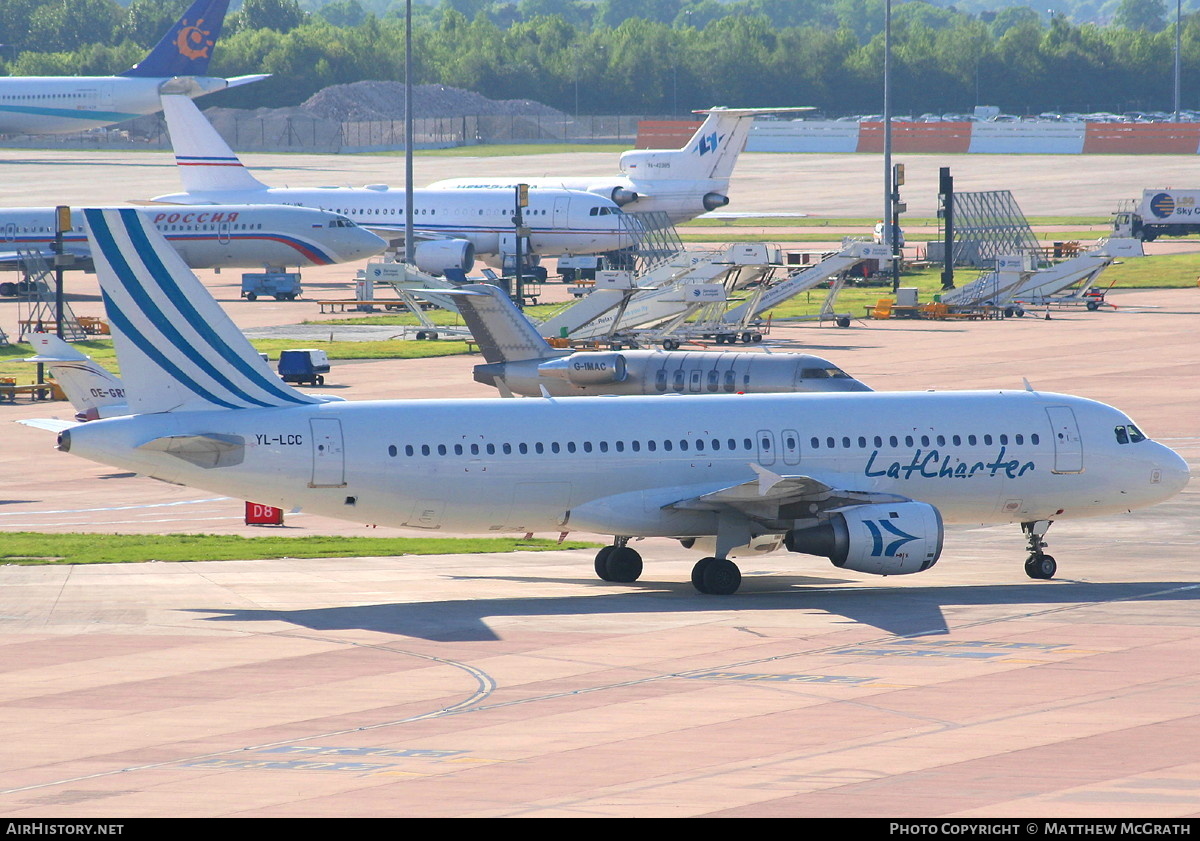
621,196
435,256
712,201
888,539
587,368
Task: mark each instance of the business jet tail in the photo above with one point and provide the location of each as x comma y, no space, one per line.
92,391
187,47
205,161
178,349
502,331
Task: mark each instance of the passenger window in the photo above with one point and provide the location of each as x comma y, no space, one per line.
971,440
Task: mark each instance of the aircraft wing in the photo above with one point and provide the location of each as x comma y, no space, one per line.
765,496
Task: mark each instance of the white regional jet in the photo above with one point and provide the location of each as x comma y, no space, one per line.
245,236
683,183
866,479
59,104
519,361
453,225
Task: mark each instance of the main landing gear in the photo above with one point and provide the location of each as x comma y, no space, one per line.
1039,565
711,576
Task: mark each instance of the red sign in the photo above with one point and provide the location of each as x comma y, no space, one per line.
263,515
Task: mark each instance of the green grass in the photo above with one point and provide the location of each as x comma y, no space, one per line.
102,352
868,222
34,548
816,236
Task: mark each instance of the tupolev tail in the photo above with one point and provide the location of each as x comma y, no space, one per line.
178,349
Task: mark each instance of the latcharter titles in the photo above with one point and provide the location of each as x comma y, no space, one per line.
932,464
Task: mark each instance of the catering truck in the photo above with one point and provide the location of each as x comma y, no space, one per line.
1159,213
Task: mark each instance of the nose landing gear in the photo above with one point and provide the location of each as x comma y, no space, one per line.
1039,565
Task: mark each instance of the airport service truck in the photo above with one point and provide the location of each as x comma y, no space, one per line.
1159,213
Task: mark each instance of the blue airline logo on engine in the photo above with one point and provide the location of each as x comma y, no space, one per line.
877,527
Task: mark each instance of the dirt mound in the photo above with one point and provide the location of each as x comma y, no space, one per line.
371,100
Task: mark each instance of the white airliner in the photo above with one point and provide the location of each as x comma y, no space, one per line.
683,183
866,479
60,104
243,236
454,226
519,361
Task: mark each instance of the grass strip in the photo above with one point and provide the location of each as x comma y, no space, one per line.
37,548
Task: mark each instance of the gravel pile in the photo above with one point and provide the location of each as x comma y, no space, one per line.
371,100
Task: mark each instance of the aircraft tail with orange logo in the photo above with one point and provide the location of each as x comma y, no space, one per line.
187,47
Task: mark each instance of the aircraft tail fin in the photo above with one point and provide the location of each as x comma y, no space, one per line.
710,153
205,161
187,47
93,391
502,331
178,349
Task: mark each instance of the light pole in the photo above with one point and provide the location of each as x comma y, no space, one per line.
887,126
410,247
1178,31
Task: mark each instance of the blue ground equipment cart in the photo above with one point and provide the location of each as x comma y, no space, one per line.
303,366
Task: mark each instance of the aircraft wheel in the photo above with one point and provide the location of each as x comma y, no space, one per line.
1041,567
250,296
716,577
602,562
623,565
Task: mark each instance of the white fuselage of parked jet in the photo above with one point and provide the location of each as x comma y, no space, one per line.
559,221
243,236
62,104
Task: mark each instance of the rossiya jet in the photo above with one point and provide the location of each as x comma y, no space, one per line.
243,236
866,479
60,104
683,183
517,360
452,226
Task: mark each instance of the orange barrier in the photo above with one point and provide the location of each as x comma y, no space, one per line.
917,137
665,134
1142,138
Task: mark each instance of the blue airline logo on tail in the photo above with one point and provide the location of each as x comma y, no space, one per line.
709,143
877,527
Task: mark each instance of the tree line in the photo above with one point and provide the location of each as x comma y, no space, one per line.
651,56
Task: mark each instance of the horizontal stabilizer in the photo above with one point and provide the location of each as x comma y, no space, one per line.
48,424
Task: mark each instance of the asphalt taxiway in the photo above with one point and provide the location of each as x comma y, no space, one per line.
520,685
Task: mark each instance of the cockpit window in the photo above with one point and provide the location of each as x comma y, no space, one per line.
830,373
1128,434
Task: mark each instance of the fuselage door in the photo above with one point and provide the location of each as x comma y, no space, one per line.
328,453
561,216
223,233
1068,444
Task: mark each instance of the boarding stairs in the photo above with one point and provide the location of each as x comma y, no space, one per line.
39,317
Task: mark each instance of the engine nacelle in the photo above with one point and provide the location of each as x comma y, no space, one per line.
435,256
587,368
712,201
895,539
622,196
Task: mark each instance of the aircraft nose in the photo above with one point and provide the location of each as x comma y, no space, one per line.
1174,471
